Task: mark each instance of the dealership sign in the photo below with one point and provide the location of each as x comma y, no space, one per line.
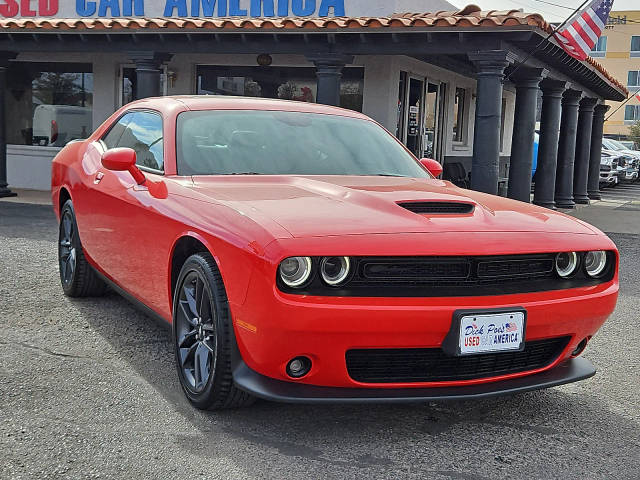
171,8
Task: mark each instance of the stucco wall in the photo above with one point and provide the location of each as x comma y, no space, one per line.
30,167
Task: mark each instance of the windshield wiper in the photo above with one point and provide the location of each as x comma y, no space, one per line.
244,173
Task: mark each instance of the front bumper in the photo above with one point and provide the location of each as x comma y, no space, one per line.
608,178
272,328
572,370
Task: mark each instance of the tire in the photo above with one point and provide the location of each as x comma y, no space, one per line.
203,337
77,277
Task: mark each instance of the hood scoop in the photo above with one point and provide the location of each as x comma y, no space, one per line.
438,208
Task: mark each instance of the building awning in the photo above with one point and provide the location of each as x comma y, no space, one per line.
469,19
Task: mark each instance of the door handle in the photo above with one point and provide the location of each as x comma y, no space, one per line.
98,178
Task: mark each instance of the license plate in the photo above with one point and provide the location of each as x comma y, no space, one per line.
491,332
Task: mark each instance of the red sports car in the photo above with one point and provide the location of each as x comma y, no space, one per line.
302,254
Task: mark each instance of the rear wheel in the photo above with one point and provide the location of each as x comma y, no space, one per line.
203,339
76,275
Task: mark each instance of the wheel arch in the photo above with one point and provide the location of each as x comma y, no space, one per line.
235,263
185,245
63,196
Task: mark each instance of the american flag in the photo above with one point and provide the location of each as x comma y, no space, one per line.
511,327
581,32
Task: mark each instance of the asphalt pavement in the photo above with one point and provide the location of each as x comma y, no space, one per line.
88,389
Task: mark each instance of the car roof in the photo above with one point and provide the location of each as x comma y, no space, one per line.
222,102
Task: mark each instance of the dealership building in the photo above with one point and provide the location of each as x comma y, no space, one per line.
465,87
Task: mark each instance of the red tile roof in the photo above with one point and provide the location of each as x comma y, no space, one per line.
470,16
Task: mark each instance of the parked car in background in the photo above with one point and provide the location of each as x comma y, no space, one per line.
609,169
57,125
629,144
628,162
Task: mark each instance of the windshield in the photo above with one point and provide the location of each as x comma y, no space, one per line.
612,144
224,142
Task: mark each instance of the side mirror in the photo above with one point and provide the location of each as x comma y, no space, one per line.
432,165
123,159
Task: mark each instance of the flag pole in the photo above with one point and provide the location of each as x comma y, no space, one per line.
622,104
554,31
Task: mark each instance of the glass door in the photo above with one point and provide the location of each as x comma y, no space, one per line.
432,121
415,116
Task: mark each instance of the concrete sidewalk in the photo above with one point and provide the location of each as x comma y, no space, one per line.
32,197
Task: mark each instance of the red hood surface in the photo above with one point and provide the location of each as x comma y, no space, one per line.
349,205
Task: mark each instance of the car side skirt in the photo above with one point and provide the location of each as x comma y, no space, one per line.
573,370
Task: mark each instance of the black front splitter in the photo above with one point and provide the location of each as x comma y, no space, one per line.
267,388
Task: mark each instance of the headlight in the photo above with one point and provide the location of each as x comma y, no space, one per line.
566,263
295,271
335,270
595,262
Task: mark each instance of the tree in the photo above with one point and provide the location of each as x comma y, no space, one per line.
634,134
52,88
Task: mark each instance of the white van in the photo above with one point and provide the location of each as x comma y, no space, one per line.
56,125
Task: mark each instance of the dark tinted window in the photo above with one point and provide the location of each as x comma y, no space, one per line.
111,139
143,133
288,143
285,83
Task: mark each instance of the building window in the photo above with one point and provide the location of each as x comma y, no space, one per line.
633,80
600,48
632,113
50,104
287,83
459,112
128,86
635,43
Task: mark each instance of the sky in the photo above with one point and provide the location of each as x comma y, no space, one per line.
550,13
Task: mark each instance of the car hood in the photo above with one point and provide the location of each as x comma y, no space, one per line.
349,205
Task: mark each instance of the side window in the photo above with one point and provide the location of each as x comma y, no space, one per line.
112,138
143,133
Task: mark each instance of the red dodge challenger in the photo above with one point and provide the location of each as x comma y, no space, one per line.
302,254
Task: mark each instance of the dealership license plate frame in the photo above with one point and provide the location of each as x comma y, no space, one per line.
452,342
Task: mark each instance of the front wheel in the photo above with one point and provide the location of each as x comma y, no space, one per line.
76,275
203,337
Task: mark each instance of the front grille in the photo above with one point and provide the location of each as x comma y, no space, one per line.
409,365
443,269
605,168
515,268
438,208
440,272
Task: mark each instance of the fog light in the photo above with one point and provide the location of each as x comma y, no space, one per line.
580,348
298,367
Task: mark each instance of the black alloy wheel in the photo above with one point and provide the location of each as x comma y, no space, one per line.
195,332
66,248
77,277
203,337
